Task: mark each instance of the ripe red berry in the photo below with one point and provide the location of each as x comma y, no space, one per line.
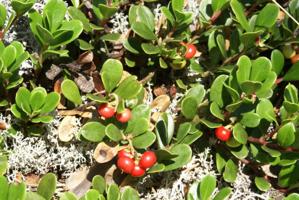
106,111
148,159
222,133
137,171
124,153
125,164
295,58
124,116
190,51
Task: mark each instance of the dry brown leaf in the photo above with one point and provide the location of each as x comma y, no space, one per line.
32,180
109,174
159,104
78,183
86,57
66,129
84,114
104,153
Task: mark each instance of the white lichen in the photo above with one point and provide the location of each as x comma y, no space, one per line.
172,109
173,184
120,23
46,153
193,6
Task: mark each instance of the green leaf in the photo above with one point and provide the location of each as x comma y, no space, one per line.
143,31
220,162
288,175
71,91
238,10
9,56
21,6
177,5
99,184
17,191
4,188
106,11
54,11
223,194
265,110
277,60
51,102
43,119
144,140
111,37
183,130
291,74
93,131
286,135
128,88
113,192
250,119
267,16
37,98
168,15
97,98
215,111
129,194
230,171
68,196
113,133
189,107
240,133
218,4
68,32
47,186
111,74
262,184
240,152
141,126
293,196
244,67
92,194
145,15
273,153
183,153
22,100
132,45
3,14
150,49
34,196
3,164
216,90
207,186
76,13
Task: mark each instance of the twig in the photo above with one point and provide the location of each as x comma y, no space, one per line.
262,141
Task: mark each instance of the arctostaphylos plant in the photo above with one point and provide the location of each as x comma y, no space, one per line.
11,58
33,108
52,31
46,190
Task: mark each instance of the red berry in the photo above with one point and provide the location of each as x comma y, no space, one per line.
125,164
190,51
106,111
124,116
124,153
148,159
137,171
223,133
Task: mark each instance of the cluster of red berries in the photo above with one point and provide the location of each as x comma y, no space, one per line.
190,50
107,111
128,165
222,133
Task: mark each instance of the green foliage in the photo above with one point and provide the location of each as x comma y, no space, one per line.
34,106
11,58
51,29
204,189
